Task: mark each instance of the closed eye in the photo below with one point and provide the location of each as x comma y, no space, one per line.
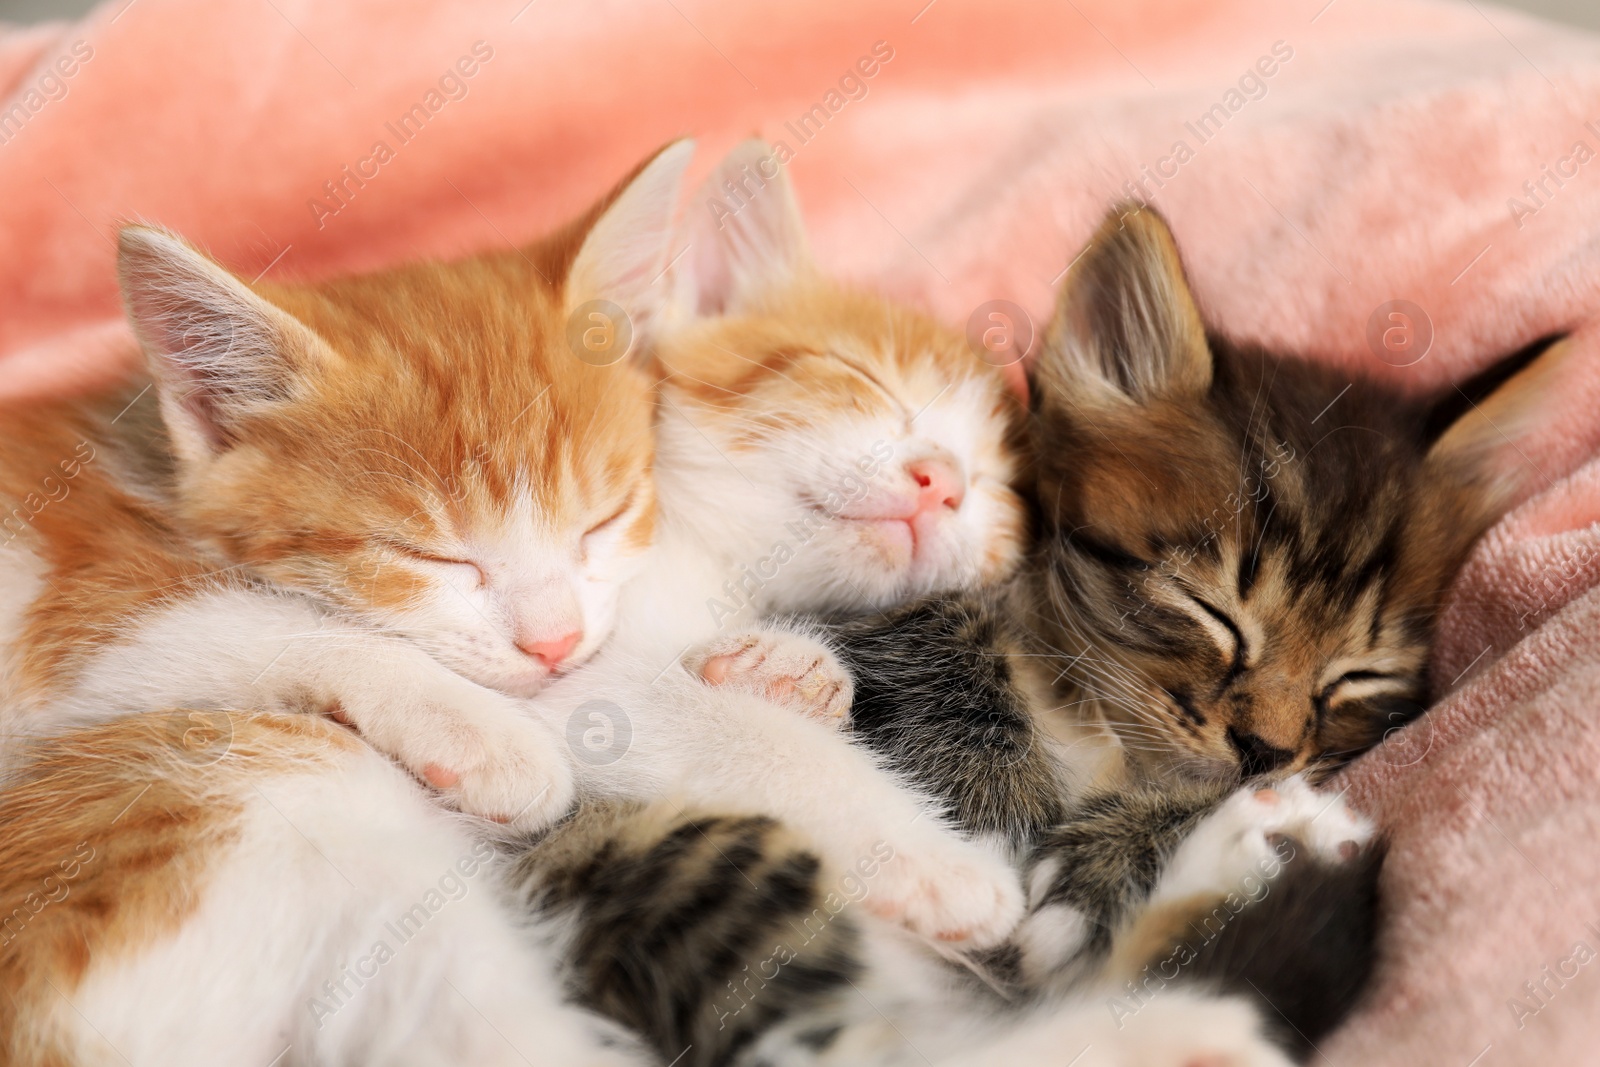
465,568
1346,685
876,384
1104,552
1352,677
615,517
1236,660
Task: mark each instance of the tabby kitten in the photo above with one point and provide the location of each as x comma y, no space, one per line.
1251,549
399,498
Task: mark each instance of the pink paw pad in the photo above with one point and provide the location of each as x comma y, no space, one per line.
440,777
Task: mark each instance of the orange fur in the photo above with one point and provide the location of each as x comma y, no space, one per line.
125,851
814,351
437,386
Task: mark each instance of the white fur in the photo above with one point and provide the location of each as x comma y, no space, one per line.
746,504
247,650
787,663
904,1014
1048,940
1229,851
288,965
1178,1029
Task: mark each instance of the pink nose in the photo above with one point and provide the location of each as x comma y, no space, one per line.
941,485
551,653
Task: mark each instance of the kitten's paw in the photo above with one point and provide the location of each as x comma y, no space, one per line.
512,771
790,669
1257,830
477,747
945,889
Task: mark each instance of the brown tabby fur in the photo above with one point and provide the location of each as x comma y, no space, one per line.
1243,554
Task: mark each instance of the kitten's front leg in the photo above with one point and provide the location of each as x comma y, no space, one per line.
732,750
244,650
788,666
475,745
1253,833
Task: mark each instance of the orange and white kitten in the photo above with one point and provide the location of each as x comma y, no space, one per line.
818,448
262,888
401,499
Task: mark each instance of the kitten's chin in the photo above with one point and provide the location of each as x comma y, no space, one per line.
894,539
526,687
914,546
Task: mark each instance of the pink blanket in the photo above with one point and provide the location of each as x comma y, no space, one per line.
1318,159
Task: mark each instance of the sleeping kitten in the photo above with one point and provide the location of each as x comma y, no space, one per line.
401,499
819,448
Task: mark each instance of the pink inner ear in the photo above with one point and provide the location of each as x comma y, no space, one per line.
713,280
1016,379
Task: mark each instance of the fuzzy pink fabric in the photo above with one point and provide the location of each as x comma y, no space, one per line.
1384,159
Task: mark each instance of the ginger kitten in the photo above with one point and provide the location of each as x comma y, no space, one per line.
820,448
401,499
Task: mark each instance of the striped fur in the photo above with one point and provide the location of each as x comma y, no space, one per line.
1241,554
701,932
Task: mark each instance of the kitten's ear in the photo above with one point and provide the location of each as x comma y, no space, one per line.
624,252
746,236
1481,441
1126,326
216,350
